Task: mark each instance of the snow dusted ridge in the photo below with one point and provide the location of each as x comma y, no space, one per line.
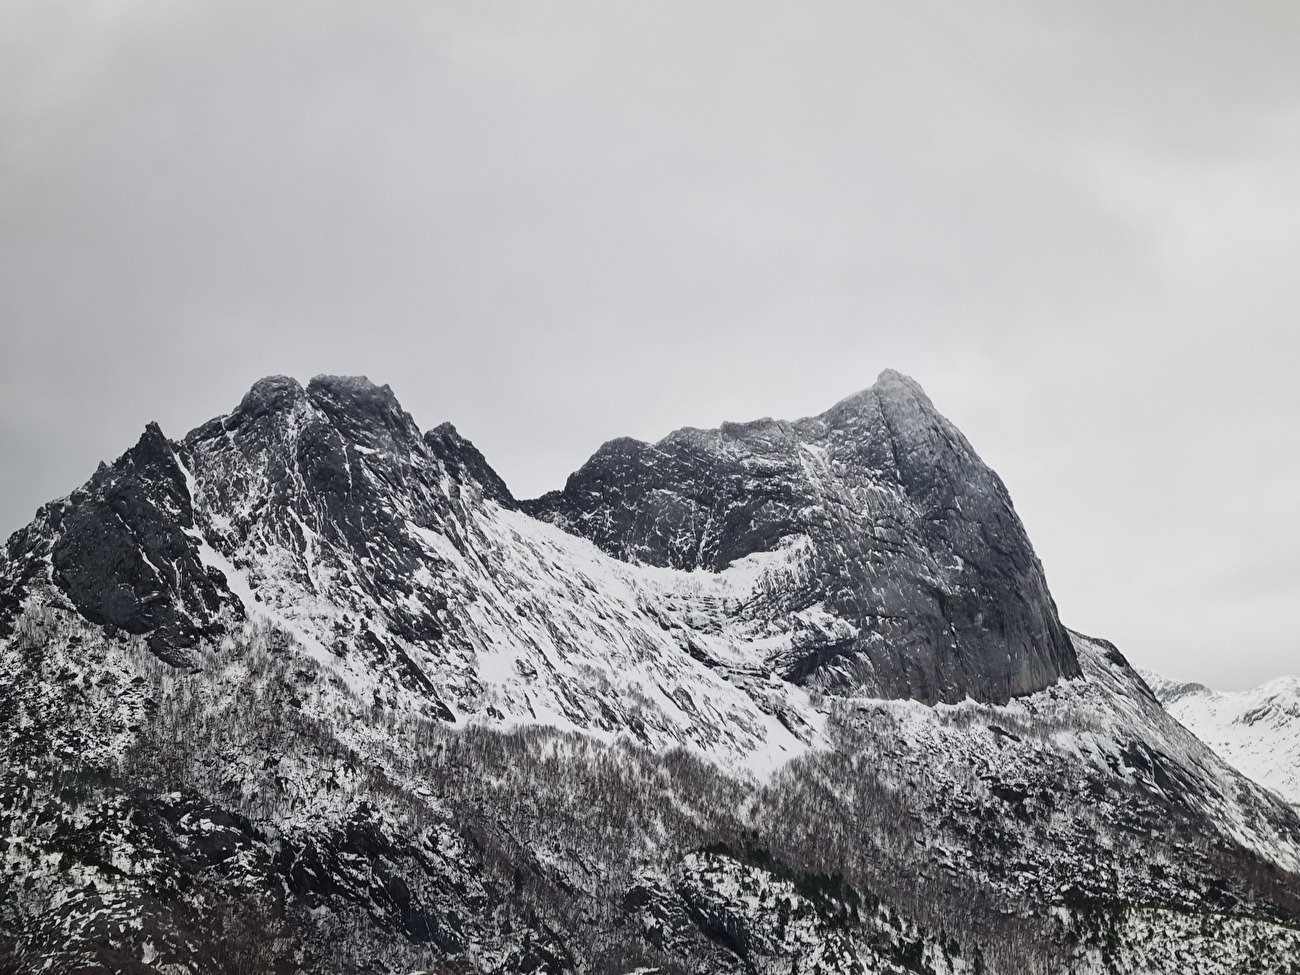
487,615
912,541
1257,732
401,563
385,555
310,690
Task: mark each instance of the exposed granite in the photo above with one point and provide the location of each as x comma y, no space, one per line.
914,540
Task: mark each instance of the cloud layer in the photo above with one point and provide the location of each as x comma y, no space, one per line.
1076,224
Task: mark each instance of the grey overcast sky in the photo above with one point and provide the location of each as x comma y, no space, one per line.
1077,224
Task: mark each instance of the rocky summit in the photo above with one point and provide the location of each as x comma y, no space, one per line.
310,690
914,545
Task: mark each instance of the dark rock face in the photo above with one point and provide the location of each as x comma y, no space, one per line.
122,554
466,465
333,472
914,540
328,460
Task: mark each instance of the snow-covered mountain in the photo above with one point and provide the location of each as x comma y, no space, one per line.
911,541
310,690
1257,732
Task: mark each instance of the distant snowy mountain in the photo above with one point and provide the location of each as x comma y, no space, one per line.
309,690
1257,732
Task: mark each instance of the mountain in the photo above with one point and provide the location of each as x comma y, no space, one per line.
913,547
1257,732
310,690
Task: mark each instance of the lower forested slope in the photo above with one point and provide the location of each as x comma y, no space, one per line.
249,813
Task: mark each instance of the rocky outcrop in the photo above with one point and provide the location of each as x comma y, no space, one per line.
915,542
466,466
121,549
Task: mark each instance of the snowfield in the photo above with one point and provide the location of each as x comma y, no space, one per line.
1257,732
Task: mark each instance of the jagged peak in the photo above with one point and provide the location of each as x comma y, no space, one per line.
764,426
463,460
893,392
151,449
1169,689
361,409
355,393
349,385
901,395
893,379
624,446
271,394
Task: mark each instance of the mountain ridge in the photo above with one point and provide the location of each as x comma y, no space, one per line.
940,615
310,690
1256,731
927,581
